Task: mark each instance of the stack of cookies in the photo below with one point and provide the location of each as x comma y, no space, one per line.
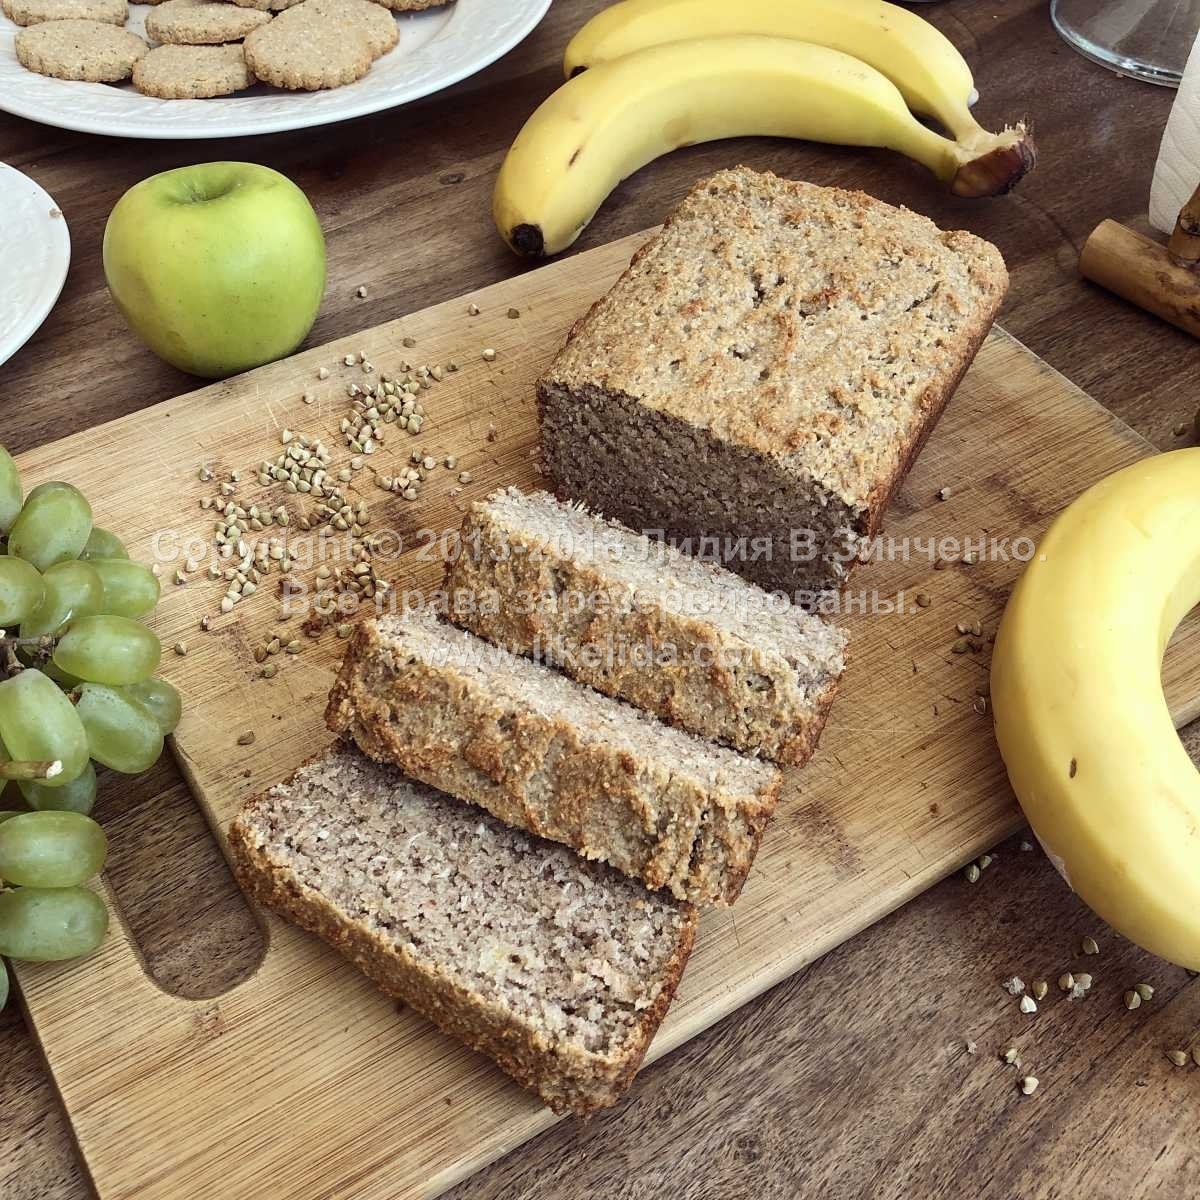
207,47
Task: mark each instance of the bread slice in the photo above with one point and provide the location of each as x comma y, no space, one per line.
634,618
559,969
765,372
553,757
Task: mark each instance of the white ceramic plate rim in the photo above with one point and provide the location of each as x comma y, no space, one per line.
35,247
470,35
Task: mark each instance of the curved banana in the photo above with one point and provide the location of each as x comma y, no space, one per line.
606,123
1078,704
918,58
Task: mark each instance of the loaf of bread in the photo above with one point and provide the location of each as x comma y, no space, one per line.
765,372
559,969
548,755
684,639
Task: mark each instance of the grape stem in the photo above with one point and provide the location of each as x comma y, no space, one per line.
31,771
41,651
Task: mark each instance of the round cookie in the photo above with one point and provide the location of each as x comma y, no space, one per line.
34,12
202,22
192,72
91,51
377,22
267,5
406,5
319,44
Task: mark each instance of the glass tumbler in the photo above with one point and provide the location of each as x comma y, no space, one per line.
1148,39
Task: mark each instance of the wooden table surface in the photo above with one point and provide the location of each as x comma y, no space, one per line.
854,1077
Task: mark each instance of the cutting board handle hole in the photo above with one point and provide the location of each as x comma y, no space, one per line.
192,927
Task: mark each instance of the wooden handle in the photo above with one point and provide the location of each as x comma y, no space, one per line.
1141,271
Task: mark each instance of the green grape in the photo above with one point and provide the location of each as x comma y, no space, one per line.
102,544
51,849
39,724
51,924
130,590
7,815
114,650
53,525
161,700
21,590
64,681
10,495
77,796
121,733
73,589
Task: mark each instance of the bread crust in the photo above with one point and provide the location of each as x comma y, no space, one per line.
567,1078
767,408
702,677
643,816
934,402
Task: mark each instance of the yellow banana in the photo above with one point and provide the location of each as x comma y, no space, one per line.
1078,704
606,123
924,64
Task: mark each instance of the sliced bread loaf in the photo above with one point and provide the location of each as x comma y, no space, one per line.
634,618
553,757
765,372
558,969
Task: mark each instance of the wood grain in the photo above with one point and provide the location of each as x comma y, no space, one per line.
1141,270
906,787
834,1080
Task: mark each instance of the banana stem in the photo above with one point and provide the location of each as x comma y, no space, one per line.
995,163
31,771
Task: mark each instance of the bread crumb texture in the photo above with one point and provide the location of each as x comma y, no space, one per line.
559,968
549,755
684,639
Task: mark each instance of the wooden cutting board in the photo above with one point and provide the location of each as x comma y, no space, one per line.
303,1083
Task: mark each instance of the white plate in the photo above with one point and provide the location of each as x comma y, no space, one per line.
437,47
35,249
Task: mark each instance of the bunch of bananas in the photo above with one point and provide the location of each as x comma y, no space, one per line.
648,76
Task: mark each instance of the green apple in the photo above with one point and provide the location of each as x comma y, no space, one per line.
218,267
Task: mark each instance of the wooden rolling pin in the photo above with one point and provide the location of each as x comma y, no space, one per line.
1161,279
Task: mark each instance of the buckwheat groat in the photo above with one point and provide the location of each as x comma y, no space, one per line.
684,639
89,51
546,754
192,72
559,969
768,367
34,12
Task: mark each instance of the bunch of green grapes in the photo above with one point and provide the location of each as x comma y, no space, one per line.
77,687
